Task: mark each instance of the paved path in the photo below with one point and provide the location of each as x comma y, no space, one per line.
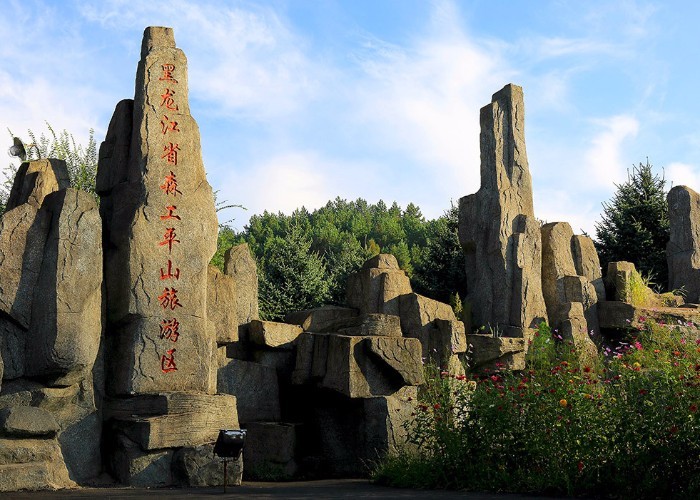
319,490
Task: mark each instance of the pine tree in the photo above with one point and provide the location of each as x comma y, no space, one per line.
635,227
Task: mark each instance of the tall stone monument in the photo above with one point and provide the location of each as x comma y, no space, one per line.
160,231
683,248
497,226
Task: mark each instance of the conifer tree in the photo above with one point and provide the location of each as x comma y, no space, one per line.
635,227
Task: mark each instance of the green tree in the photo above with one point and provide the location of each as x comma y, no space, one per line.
291,275
634,226
440,273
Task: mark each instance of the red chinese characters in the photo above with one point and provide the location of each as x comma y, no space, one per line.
167,361
168,125
168,299
168,73
168,101
170,274
169,185
170,153
170,329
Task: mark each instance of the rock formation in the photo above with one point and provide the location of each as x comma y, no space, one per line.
497,226
165,308
683,248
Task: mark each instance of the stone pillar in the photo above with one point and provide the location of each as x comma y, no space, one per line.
683,248
497,225
160,232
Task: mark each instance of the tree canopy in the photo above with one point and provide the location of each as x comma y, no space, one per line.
634,226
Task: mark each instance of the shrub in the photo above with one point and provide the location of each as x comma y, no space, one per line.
628,427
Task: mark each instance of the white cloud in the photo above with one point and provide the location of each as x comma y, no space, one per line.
423,99
682,174
245,62
603,161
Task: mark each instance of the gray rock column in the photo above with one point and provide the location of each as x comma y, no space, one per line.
683,248
160,232
497,225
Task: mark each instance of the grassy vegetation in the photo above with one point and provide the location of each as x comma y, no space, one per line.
628,427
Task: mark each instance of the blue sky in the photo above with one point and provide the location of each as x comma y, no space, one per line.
301,101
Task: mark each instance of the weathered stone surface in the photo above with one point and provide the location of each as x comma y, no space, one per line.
321,318
575,329
282,360
270,450
304,359
199,467
349,433
273,334
487,351
35,180
2,370
377,290
580,289
240,265
32,464
132,466
418,315
361,367
618,280
557,262
12,345
222,318
619,315
27,421
114,151
683,248
173,419
452,336
160,218
382,261
374,324
497,226
587,263
23,233
22,451
66,324
384,419
255,387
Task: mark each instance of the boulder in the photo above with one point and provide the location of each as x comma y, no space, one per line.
270,450
27,421
377,290
683,248
222,317
197,467
587,263
35,180
418,317
362,367
372,324
320,319
160,231
114,151
575,329
132,466
66,324
172,420
497,226
23,233
557,262
273,334
255,387
240,265
32,464
12,346
489,353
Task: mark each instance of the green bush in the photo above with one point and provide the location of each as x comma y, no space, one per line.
629,427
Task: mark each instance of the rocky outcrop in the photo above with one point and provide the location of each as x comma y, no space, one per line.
160,232
240,265
497,226
35,180
683,248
